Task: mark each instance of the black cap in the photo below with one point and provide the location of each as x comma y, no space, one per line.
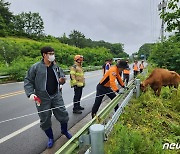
46,50
122,64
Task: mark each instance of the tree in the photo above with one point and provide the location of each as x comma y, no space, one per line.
5,18
3,27
19,25
117,48
167,54
64,39
145,49
77,38
29,23
172,17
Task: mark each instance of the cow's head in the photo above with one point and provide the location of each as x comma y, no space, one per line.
143,87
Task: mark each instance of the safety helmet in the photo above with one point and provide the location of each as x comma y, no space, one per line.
78,57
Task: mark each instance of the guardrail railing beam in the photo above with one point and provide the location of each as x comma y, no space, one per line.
73,143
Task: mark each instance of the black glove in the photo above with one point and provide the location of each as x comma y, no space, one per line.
117,91
121,91
125,88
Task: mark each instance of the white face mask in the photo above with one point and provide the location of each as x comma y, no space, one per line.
51,58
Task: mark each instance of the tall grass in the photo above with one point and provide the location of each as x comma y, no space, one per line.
147,123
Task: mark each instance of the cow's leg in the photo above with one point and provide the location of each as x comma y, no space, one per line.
158,91
176,86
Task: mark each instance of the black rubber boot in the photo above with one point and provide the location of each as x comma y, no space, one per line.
49,134
80,107
76,110
65,131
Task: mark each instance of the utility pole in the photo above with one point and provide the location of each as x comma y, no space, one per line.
162,6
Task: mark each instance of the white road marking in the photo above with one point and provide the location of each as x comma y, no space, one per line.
33,124
81,99
18,132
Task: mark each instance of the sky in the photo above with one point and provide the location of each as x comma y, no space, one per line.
130,22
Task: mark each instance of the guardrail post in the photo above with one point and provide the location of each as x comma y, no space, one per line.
138,87
97,139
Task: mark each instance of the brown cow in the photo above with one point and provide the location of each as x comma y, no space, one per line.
161,77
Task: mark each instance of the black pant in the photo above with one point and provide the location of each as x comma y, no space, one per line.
141,70
135,73
126,78
77,96
100,92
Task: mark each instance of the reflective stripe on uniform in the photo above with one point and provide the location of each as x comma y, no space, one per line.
80,84
72,72
73,82
79,74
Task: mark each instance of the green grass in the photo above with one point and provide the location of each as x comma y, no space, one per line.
147,123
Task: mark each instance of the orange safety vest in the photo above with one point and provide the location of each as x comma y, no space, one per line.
109,78
135,67
126,71
141,66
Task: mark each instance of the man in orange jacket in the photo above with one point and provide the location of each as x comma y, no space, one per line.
135,68
141,66
107,85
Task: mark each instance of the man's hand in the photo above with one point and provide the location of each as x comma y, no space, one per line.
32,97
62,80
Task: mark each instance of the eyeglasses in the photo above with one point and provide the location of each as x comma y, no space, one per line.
50,53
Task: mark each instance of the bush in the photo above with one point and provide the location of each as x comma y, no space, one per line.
19,67
19,54
167,54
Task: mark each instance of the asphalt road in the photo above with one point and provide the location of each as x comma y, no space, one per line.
23,135
19,122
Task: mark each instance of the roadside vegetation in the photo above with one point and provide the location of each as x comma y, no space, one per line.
147,123
18,54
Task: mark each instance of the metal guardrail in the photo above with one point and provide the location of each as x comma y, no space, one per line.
4,76
115,117
73,143
85,68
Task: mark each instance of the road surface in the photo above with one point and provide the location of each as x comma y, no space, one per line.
19,121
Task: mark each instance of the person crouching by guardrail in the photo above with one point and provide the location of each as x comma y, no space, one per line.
77,82
41,85
107,85
126,73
